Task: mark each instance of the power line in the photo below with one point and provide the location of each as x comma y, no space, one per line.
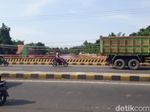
59,42
47,47
75,41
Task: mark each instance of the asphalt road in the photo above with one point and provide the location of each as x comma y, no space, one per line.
67,96
46,68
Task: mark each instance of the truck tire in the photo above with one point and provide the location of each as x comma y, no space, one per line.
119,64
133,64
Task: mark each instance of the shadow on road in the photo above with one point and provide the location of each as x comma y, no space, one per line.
13,84
17,102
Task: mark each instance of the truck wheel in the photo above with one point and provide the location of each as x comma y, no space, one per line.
119,64
133,64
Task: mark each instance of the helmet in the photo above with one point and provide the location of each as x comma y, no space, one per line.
57,53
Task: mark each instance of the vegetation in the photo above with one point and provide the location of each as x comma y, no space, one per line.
37,48
142,32
9,46
6,40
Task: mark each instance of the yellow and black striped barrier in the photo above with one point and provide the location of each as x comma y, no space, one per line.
76,76
29,60
47,61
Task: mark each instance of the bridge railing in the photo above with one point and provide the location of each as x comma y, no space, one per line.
48,60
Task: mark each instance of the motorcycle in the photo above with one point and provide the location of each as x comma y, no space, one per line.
3,62
61,62
3,93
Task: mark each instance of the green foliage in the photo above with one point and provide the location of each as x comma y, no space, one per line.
86,48
40,48
91,48
18,42
112,34
64,50
75,50
36,48
94,47
142,32
120,34
6,40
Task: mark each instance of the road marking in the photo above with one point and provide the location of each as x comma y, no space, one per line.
85,82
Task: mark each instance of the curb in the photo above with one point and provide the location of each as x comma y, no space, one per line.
76,76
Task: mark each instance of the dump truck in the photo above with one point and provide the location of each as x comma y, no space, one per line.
126,52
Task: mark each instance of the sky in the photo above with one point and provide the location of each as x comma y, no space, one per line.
65,23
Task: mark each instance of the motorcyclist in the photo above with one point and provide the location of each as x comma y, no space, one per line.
59,61
58,58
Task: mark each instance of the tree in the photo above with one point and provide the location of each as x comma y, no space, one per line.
18,42
120,34
5,40
75,50
37,48
142,32
112,34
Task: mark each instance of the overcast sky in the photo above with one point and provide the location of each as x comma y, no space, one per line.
70,22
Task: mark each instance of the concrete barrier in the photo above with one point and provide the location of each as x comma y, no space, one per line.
74,61
46,61
75,76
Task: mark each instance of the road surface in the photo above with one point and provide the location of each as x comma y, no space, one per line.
84,68
74,96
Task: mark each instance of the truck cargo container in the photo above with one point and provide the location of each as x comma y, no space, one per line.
126,52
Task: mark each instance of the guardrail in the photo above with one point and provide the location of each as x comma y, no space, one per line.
101,61
46,61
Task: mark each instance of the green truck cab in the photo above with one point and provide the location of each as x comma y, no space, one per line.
125,52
